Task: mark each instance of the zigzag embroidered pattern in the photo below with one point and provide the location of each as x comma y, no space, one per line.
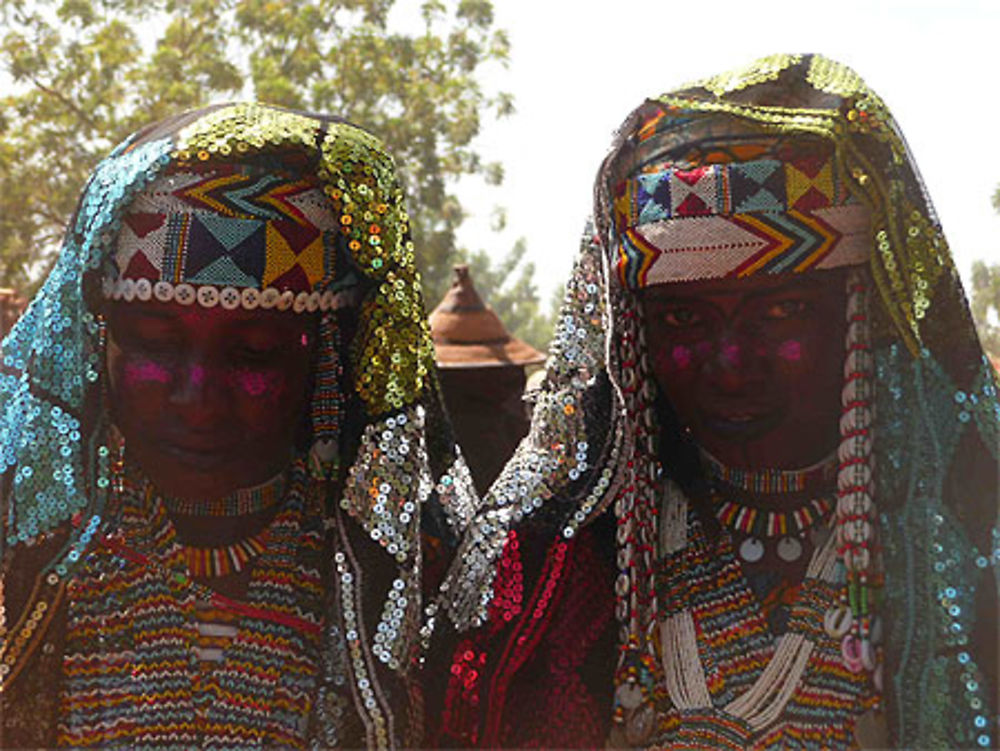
758,217
742,245
227,228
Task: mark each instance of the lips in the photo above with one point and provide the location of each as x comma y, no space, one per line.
201,455
740,423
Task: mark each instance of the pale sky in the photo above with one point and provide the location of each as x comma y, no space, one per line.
577,68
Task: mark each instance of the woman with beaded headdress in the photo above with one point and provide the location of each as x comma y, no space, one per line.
758,504
214,420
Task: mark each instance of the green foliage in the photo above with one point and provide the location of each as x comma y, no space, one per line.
985,305
512,294
80,78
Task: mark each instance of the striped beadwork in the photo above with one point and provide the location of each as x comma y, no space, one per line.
240,503
771,523
229,559
735,647
769,481
135,673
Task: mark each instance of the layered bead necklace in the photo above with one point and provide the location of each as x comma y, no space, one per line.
722,678
225,560
766,481
760,528
239,503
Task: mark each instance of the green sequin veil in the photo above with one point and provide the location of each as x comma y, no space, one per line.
594,442
54,424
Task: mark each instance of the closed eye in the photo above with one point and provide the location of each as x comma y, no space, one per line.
246,355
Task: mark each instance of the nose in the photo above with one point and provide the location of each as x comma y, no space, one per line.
737,363
198,393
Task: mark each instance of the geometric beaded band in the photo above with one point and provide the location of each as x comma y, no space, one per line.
772,480
759,523
234,236
240,503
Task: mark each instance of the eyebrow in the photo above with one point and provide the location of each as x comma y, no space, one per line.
678,296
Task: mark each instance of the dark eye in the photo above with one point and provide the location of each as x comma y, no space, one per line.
256,351
784,309
681,317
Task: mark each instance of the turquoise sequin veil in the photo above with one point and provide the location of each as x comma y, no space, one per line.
53,451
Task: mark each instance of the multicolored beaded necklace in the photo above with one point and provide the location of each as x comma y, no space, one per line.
241,503
748,520
226,560
134,613
769,481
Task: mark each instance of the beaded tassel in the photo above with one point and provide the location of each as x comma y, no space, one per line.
324,457
636,503
856,513
636,507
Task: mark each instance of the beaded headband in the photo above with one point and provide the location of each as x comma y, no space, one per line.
232,236
766,216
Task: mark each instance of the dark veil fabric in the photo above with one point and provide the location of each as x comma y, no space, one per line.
593,453
400,469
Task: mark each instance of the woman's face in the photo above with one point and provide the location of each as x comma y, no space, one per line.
752,366
208,400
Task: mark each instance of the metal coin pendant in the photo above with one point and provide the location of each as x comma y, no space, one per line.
640,724
789,549
751,550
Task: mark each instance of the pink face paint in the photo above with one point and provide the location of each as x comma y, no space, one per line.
681,356
258,384
139,372
790,350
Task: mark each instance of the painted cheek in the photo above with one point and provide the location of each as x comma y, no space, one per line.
257,384
790,350
681,357
143,372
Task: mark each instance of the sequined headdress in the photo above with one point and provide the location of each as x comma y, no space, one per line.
253,206
790,162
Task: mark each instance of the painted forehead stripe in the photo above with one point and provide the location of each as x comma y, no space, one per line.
230,237
735,220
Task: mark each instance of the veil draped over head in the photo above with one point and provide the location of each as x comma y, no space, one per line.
931,422
379,440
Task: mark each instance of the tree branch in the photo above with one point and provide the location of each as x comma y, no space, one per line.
66,101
